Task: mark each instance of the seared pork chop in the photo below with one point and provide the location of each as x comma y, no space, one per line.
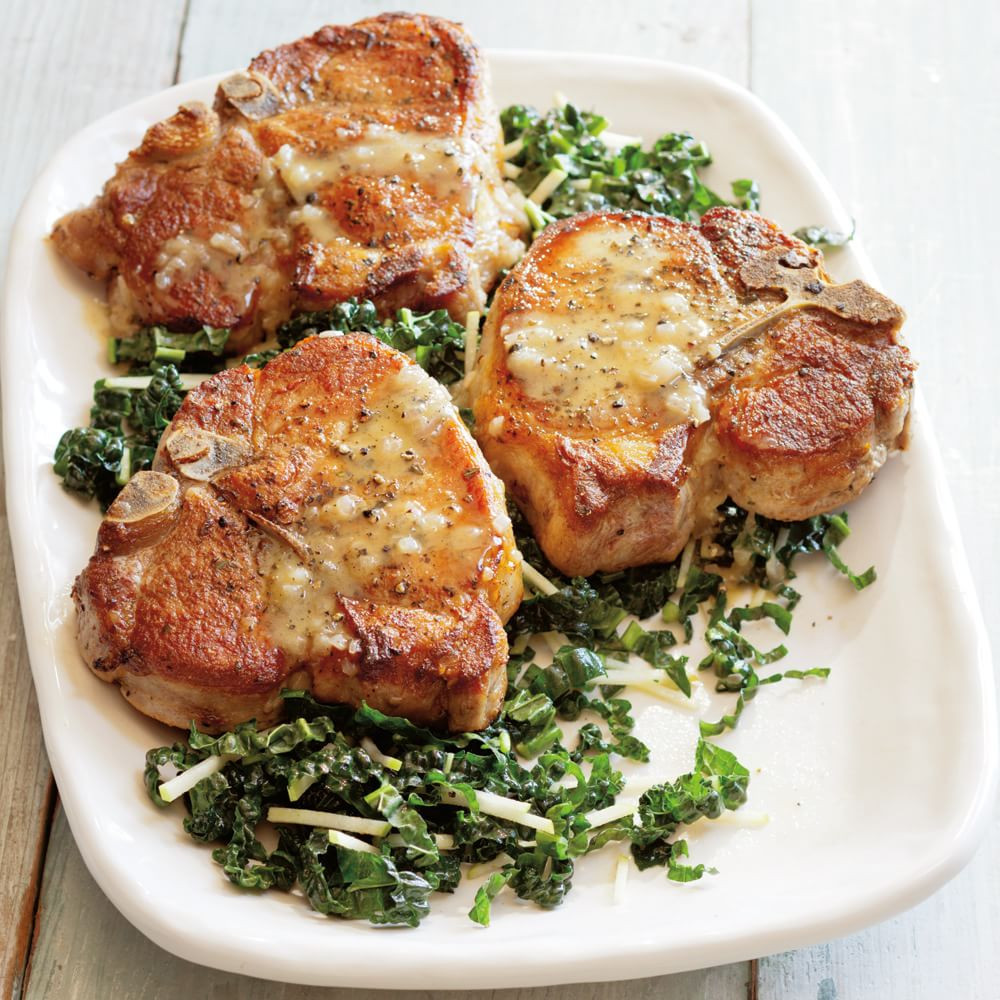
636,370
325,522
361,161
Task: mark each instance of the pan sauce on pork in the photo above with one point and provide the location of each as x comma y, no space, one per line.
636,370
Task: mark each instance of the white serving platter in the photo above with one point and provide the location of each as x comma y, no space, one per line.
876,783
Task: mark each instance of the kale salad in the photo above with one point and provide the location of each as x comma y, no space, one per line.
368,815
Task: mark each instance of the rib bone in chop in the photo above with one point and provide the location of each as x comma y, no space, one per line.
805,287
636,370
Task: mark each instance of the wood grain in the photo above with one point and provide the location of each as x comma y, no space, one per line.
713,34
896,102
47,103
25,787
67,64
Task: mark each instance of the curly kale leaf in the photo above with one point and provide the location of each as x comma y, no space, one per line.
199,351
734,659
88,459
419,845
564,689
126,421
662,180
641,591
345,317
154,406
533,876
485,895
677,871
539,878
433,339
699,586
575,610
357,885
530,713
769,547
652,646
717,782
820,236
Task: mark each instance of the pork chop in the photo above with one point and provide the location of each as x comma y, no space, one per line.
636,370
326,522
361,161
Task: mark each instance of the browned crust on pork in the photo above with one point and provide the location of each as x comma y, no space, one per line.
204,172
802,416
178,618
424,666
809,423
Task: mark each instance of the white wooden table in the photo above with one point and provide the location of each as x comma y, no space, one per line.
897,101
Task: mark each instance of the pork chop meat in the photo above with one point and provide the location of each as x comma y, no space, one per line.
326,522
636,370
361,161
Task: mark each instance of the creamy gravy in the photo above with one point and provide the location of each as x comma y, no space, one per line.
628,339
440,163
232,255
389,530
323,228
182,257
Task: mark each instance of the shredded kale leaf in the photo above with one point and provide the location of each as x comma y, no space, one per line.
126,423
718,782
766,549
590,613
317,761
820,236
767,546
435,341
567,688
571,684
125,427
662,180
642,590
575,610
200,351
835,530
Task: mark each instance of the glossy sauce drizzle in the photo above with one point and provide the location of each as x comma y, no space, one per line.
628,339
393,527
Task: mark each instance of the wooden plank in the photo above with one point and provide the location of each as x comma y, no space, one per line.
67,64
226,34
45,105
86,949
25,787
886,98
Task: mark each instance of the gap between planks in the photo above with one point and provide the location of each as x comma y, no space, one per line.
28,925
178,55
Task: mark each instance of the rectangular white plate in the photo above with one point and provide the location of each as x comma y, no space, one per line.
877,783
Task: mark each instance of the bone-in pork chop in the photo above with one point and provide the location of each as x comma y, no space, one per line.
326,522
361,161
636,370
